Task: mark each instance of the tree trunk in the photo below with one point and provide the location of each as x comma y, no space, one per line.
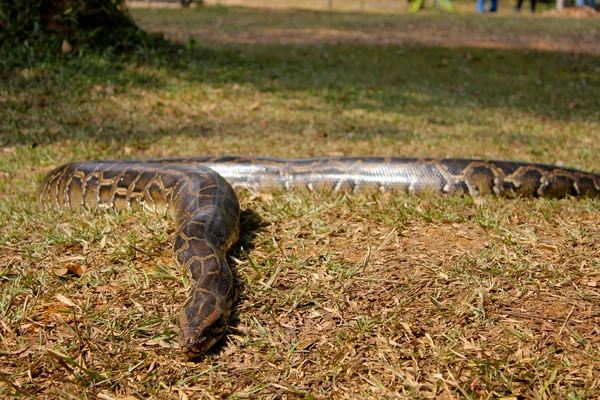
94,22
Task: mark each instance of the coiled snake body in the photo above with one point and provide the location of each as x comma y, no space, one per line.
199,193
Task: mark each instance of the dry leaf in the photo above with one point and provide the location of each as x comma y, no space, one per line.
108,396
66,47
113,287
266,197
160,343
60,271
76,269
254,106
304,344
515,219
65,300
468,213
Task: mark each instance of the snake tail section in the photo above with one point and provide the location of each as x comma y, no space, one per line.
395,174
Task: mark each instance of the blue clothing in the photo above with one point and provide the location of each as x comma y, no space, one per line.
581,3
480,6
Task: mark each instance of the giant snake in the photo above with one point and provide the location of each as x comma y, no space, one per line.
200,194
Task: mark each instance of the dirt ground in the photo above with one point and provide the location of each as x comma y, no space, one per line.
419,37
414,34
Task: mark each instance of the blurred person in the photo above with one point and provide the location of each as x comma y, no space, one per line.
520,3
480,6
581,3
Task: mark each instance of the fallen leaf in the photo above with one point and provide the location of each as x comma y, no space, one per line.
66,47
160,343
266,197
304,344
65,300
76,269
468,213
60,271
109,396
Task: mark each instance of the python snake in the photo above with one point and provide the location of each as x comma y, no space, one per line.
200,194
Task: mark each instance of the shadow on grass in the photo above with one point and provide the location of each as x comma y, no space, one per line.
250,224
441,85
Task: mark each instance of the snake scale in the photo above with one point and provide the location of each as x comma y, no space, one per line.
200,194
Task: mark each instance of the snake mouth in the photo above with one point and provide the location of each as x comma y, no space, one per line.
199,333
195,340
195,347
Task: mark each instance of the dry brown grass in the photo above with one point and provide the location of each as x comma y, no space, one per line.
419,297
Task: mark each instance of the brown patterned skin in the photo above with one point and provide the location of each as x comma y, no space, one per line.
206,213
206,209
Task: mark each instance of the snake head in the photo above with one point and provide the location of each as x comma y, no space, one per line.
201,329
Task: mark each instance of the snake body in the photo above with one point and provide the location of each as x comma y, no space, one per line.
200,194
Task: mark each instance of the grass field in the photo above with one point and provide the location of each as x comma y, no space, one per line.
338,297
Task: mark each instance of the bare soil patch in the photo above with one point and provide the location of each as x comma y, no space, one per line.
573,12
418,37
